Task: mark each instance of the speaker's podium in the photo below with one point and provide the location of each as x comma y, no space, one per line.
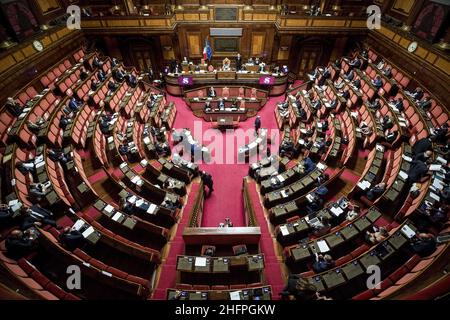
226,74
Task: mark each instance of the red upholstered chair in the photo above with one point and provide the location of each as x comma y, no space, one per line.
225,92
253,94
241,92
205,248
200,93
240,249
200,287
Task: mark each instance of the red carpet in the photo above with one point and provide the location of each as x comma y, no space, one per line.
169,272
226,200
349,176
96,177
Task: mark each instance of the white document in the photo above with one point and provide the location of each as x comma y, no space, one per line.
320,166
135,179
284,230
441,160
407,231
337,211
323,246
200,262
235,295
435,167
78,225
132,199
151,209
403,174
435,196
280,178
109,208
88,232
117,216
139,202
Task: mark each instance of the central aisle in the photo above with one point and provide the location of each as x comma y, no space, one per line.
227,198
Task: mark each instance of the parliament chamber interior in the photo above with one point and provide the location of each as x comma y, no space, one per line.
224,150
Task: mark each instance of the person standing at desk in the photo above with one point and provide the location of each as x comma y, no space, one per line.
208,182
257,124
238,62
221,104
212,92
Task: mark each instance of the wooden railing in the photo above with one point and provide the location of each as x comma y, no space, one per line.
195,215
248,207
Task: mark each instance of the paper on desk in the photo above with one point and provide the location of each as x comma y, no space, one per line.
320,166
117,216
284,230
135,179
323,246
151,209
78,225
88,232
132,199
406,158
441,160
407,231
435,196
403,174
200,262
235,295
109,208
435,167
336,211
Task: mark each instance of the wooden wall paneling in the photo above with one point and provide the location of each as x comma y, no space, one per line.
194,42
258,41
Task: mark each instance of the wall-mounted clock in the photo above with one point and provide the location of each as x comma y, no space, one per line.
412,46
38,46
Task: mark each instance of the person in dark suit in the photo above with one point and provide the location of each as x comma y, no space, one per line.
123,149
19,244
212,92
355,63
425,103
112,86
238,62
13,107
37,216
257,124
64,121
377,82
421,146
375,105
440,134
5,213
417,170
417,94
74,104
423,244
357,84
221,104
298,288
386,123
387,72
71,239
346,94
83,74
398,104
317,104
350,75
101,76
423,156
97,63
208,182
322,263
376,191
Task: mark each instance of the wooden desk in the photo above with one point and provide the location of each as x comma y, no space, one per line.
226,75
369,259
352,270
224,122
301,253
333,278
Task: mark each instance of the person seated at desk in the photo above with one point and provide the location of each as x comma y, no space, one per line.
123,149
333,104
287,148
225,92
131,80
37,216
105,124
390,135
339,84
422,145
423,156
356,84
228,223
14,107
5,213
226,64
315,204
425,103
234,104
377,82
112,86
386,122
118,74
322,263
71,239
75,104
308,165
212,92
365,129
417,171
376,191
316,105
35,127
349,76
257,61
97,63
364,54
94,85
83,74
378,235
387,72
355,63
417,94
435,216
172,206
27,166
101,75
58,156
375,105
162,149
397,105
19,244
299,288
439,134
381,64
423,244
